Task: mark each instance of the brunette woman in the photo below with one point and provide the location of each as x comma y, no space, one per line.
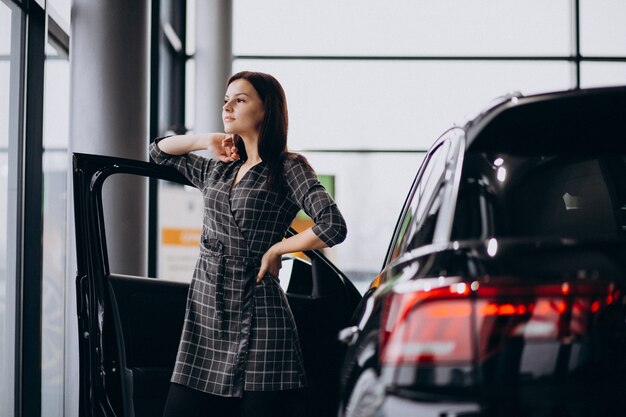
239,337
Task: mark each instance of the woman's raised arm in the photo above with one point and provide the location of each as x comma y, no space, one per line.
220,145
182,144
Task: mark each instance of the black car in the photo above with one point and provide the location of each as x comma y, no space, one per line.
129,327
503,292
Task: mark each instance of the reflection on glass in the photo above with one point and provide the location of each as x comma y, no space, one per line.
492,247
501,175
55,163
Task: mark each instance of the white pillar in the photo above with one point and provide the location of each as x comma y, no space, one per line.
213,62
109,70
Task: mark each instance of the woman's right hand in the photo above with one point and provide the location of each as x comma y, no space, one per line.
223,148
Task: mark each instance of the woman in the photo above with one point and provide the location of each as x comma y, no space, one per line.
239,336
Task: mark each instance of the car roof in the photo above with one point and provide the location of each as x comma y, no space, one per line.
574,121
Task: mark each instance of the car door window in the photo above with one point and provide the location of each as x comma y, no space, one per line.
179,226
418,219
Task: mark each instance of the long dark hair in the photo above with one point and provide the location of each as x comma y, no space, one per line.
273,130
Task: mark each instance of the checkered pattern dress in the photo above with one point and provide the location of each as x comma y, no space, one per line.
238,334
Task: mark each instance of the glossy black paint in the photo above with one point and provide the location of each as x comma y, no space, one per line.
129,327
487,241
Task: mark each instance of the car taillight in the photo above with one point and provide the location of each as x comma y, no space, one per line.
431,323
460,323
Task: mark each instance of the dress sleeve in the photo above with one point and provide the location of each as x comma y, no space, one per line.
313,198
195,168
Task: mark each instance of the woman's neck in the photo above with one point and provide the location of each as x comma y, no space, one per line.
252,150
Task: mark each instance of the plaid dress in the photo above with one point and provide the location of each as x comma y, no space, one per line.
238,334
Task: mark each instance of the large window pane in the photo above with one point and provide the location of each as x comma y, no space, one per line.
10,22
55,166
5,73
60,10
5,341
56,100
602,74
53,290
180,227
602,28
396,104
370,189
403,27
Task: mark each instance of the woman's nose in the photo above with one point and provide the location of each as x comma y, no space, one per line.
226,106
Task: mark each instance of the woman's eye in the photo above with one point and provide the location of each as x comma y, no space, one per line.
240,100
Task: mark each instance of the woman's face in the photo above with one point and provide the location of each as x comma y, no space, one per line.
243,111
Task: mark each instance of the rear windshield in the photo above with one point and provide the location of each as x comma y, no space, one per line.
554,196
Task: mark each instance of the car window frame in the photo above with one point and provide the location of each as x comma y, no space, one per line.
456,137
424,198
456,156
407,205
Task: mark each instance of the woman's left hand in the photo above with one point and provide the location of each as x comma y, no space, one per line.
270,263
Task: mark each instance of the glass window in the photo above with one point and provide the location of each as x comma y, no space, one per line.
602,29
60,11
180,211
55,166
567,198
395,104
404,27
10,28
370,189
602,74
426,201
417,223
180,229
5,74
558,196
190,66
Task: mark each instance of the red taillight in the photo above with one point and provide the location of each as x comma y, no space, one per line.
428,336
428,325
458,323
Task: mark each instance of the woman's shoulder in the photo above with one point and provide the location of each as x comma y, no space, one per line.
295,161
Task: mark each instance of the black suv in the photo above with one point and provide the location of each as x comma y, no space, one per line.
502,292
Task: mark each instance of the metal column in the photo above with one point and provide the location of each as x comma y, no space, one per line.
213,62
109,112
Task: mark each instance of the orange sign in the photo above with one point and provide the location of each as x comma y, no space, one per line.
175,236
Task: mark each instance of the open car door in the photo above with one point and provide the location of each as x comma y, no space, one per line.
129,327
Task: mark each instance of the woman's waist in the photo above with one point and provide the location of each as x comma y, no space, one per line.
215,248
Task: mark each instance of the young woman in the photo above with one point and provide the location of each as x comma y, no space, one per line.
239,337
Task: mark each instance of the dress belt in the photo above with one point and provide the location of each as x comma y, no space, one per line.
215,247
